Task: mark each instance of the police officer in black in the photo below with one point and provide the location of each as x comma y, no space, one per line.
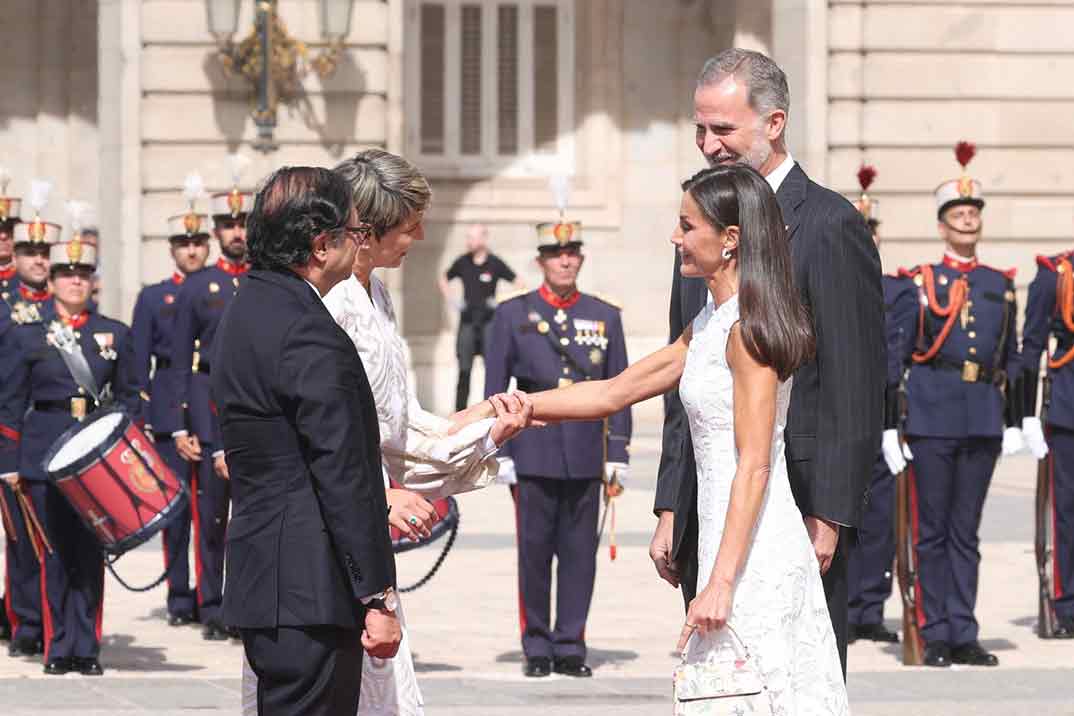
200,304
961,414
24,304
39,401
480,271
151,331
1050,314
547,338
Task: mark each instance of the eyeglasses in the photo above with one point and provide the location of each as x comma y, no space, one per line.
358,233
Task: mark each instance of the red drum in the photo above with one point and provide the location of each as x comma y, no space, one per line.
111,474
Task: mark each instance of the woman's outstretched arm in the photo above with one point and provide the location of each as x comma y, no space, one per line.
755,388
653,375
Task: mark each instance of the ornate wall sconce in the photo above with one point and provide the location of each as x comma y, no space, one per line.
271,59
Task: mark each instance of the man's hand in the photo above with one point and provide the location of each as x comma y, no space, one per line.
410,513
512,417
825,538
220,465
660,549
382,633
188,447
12,479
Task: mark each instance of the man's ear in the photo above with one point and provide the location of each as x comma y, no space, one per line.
775,125
319,246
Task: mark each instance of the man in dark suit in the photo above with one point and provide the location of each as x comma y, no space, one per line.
309,560
836,413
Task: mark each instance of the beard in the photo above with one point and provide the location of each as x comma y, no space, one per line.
759,152
234,250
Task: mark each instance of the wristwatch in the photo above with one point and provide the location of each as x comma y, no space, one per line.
387,600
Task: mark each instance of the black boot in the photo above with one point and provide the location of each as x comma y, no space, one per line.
938,653
973,654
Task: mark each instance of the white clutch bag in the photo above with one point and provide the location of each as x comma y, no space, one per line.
727,685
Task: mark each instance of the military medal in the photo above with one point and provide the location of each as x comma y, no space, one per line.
596,357
105,342
560,317
235,281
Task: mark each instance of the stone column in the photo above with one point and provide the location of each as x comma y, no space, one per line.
800,46
119,96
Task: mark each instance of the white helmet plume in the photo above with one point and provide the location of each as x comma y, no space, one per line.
5,179
193,188
39,191
237,164
79,213
560,185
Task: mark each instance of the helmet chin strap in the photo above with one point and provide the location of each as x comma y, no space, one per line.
964,232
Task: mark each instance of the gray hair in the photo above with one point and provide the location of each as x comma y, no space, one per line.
387,189
764,79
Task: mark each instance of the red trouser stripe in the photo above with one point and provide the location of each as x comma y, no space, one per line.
915,529
518,544
196,523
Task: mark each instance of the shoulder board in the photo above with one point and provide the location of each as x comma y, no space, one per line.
1047,262
1009,273
908,272
611,302
513,295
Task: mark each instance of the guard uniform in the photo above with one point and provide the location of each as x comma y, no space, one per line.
1050,314
151,331
199,305
39,401
22,600
962,347
544,341
479,289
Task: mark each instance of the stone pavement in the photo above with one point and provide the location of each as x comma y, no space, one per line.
465,625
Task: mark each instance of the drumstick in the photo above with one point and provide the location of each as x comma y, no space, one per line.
5,516
32,523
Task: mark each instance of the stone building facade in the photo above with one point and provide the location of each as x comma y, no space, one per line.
116,100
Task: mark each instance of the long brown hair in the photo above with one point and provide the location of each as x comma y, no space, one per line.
776,328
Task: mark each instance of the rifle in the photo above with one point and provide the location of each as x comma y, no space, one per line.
913,646
1044,538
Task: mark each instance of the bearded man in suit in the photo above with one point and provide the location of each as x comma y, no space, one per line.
741,106
310,572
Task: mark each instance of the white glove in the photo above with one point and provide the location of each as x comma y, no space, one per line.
1013,442
507,474
892,450
1033,434
618,470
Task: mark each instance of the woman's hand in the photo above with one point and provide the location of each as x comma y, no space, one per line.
709,610
410,513
514,414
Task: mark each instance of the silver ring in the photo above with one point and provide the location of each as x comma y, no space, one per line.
413,520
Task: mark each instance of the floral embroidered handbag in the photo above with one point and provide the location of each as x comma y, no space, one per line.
726,683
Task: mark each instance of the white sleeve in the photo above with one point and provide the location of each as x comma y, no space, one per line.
437,464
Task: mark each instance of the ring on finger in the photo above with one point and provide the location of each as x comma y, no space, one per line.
690,626
413,520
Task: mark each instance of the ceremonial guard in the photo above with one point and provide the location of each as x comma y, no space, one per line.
199,305
39,400
547,338
24,304
1050,314
151,330
961,350
9,216
870,564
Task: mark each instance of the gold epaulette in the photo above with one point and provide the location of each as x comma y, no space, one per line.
513,295
611,302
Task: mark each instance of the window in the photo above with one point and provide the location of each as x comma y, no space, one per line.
490,86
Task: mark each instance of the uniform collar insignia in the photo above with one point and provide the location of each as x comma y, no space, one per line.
230,268
78,320
7,272
30,294
555,301
959,263
178,278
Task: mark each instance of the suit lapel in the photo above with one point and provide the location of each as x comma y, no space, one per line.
791,195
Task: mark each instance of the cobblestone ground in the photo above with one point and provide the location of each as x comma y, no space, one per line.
465,633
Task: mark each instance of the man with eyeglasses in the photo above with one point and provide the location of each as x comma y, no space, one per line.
152,328
199,305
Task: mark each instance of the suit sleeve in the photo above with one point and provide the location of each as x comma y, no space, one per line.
846,298
322,378
1039,307
14,399
183,345
671,469
499,357
619,424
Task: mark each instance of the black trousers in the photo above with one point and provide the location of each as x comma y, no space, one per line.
556,518
176,537
305,671
1061,462
469,342
871,566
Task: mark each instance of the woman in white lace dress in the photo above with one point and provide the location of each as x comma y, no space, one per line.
732,369
390,196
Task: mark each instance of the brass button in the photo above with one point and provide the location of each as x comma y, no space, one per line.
81,390
973,334
564,342
973,319
566,371
973,351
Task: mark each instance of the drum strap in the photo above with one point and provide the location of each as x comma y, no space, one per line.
65,342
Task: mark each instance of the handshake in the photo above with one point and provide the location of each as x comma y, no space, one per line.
513,413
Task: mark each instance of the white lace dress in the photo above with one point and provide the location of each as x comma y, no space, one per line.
416,454
779,609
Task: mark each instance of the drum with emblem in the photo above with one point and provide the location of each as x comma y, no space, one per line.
115,480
